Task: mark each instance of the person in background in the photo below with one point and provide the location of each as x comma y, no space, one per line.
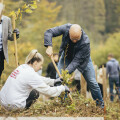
23,86
51,71
6,34
112,71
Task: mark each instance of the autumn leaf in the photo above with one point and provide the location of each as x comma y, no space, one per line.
33,6
24,6
20,16
12,13
28,10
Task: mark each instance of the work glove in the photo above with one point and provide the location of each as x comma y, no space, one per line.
58,82
17,32
67,89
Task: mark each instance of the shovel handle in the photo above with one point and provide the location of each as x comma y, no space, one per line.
56,67
60,75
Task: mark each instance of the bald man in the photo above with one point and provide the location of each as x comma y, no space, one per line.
75,51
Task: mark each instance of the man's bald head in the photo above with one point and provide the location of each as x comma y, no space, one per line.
75,33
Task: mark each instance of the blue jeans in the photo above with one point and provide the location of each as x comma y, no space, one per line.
89,75
112,81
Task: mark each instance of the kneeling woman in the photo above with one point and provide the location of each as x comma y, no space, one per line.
24,84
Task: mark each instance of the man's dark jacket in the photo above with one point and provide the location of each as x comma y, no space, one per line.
112,68
81,53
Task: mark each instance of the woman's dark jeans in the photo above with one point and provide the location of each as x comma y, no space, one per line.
34,95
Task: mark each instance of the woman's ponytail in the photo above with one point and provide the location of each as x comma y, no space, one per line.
33,56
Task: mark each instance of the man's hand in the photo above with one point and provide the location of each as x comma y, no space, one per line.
49,51
17,32
67,89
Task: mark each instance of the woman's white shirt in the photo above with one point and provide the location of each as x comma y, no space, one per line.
21,82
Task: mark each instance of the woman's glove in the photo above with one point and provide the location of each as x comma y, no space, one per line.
58,82
67,89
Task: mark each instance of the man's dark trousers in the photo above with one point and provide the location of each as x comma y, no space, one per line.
112,81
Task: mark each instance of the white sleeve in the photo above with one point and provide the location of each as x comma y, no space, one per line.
51,91
39,83
48,81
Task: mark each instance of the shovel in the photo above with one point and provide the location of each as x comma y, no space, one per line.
60,75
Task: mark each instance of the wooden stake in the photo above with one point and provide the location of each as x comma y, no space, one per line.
104,88
60,75
83,86
15,42
104,83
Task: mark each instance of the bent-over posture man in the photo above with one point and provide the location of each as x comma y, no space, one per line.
75,49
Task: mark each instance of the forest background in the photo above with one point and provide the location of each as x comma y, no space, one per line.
100,19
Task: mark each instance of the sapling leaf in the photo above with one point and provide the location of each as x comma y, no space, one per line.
28,10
